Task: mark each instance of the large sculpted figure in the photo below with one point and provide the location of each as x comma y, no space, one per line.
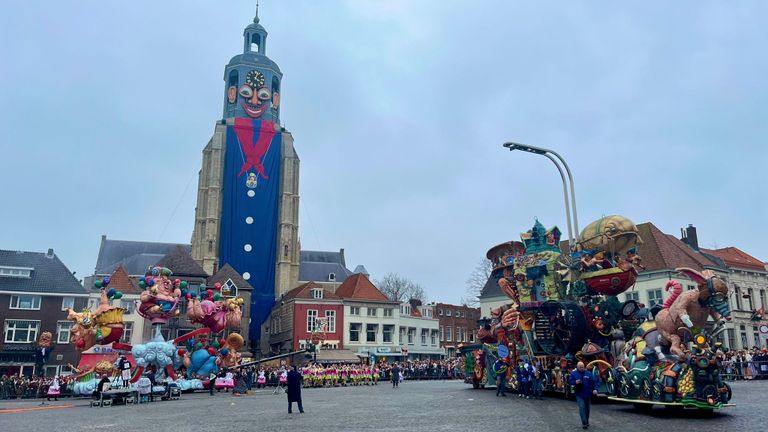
160,299
102,326
215,311
691,309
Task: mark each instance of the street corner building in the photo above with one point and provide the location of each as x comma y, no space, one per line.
36,289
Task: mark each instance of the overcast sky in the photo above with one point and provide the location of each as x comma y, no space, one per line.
399,110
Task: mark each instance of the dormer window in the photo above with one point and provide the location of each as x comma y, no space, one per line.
332,277
317,293
19,272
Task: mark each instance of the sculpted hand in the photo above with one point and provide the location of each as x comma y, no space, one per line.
687,320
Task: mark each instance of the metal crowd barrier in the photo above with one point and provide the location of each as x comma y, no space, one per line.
736,371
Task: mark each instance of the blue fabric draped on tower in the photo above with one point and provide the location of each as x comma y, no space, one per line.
249,211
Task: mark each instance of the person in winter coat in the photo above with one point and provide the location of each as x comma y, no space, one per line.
585,386
294,390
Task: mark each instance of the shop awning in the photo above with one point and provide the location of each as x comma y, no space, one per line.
337,356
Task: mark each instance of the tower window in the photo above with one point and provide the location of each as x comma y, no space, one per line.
285,250
255,42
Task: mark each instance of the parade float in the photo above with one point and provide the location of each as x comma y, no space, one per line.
186,361
564,309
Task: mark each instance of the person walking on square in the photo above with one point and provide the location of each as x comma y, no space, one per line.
211,382
394,374
500,369
294,390
585,386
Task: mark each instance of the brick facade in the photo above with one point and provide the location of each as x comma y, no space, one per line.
456,329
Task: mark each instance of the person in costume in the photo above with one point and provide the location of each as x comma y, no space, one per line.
54,389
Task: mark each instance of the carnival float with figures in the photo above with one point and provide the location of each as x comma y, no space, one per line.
186,362
564,309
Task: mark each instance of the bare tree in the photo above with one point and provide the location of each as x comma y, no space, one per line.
476,281
401,289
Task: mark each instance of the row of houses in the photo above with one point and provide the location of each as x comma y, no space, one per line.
662,253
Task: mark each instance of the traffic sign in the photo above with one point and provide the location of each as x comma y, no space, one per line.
764,329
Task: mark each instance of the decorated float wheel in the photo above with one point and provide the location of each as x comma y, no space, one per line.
725,397
611,379
658,390
646,389
625,385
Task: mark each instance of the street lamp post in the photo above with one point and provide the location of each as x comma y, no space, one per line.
572,225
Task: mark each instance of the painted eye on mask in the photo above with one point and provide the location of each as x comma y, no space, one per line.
246,91
264,94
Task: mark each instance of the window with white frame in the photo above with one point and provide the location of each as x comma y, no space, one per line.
750,302
434,337
389,331
448,335
458,334
229,289
311,320
370,332
447,312
655,297
317,293
440,312
21,331
354,310
411,335
387,312
67,303
330,319
472,336
129,306
354,332
63,329
371,311
15,272
424,336
634,295
127,332
405,309
738,299
458,314
25,302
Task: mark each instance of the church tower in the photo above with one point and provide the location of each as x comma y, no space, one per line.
247,212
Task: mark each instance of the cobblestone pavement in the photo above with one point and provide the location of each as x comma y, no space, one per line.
415,406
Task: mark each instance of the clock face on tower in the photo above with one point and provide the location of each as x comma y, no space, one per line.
255,96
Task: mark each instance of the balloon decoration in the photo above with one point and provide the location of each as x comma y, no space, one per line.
159,301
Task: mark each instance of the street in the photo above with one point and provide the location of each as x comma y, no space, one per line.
415,406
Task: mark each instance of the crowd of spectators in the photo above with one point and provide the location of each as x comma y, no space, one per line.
746,364
426,369
22,387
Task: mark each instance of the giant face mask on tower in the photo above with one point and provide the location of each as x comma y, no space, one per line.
256,96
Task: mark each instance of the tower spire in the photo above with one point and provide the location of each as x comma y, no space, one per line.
256,18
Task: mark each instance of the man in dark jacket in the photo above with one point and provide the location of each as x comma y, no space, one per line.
294,389
585,385
394,374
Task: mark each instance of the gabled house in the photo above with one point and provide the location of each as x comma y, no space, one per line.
36,288
302,310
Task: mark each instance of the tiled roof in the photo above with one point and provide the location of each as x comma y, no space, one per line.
319,271
491,289
181,263
304,291
737,258
120,281
226,273
50,275
663,251
135,256
359,287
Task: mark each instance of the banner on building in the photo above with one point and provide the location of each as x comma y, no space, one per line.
249,210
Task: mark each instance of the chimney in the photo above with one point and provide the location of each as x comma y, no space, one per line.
343,261
689,237
49,254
